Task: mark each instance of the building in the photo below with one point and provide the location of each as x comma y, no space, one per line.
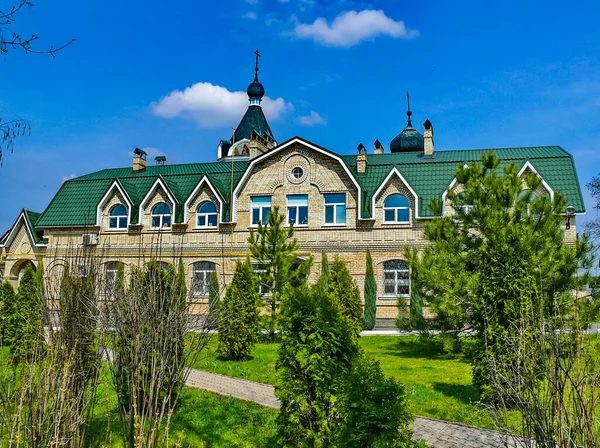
203,212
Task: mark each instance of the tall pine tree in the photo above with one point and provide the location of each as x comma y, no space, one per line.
370,291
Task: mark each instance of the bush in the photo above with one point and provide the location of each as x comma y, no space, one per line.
7,320
317,350
370,291
373,409
345,291
238,321
27,322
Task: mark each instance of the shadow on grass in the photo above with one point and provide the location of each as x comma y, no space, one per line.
466,393
416,347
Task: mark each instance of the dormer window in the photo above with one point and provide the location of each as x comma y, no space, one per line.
117,217
396,209
207,215
161,216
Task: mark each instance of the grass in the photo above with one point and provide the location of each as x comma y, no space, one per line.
438,384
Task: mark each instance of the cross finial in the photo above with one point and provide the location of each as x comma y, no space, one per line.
408,100
408,112
256,68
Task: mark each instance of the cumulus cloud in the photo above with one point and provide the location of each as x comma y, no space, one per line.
312,119
249,15
353,27
212,106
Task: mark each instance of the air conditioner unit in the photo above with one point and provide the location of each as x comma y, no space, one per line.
89,239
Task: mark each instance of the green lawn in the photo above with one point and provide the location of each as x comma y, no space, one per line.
438,385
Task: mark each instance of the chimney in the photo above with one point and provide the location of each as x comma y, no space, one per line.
378,147
139,160
361,158
428,137
160,160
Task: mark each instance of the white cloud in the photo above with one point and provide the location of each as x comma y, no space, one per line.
69,177
312,119
252,2
353,27
151,152
249,15
213,106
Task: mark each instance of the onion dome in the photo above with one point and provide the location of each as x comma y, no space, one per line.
255,90
409,139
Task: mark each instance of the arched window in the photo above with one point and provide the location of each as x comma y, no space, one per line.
396,278
396,209
118,217
111,270
207,215
201,278
161,216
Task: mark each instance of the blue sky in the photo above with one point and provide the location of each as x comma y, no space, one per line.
167,76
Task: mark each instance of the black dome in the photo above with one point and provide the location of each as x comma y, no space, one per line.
256,89
408,140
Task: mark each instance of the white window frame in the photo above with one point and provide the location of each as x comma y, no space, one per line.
261,208
263,289
401,279
111,269
201,277
334,205
118,218
396,210
161,217
206,216
297,208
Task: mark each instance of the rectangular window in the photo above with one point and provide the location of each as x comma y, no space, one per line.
259,270
335,208
260,209
297,209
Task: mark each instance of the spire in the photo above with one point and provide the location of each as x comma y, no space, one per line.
255,90
408,112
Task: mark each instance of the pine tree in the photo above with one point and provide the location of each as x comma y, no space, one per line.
213,292
7,304
28,326
370,292
324,278
238,322
345,291
273,247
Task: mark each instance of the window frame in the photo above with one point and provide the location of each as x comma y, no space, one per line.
118,218
161,217
334,206
111,271
297,209
264,290
398,281
206,216
396,210
261,210
203,291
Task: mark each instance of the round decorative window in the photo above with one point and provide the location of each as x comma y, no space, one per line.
297,172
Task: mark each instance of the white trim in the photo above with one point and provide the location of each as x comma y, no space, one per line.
279,149
384,184
544,183
27,227
335,205
195,192
148,196
105,198
450,187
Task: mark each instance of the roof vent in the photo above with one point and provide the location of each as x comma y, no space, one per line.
160,160
378,147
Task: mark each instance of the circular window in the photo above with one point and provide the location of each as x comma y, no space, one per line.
297,172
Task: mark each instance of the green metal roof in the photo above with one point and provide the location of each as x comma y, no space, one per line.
430,176
32,218
253,120
76,202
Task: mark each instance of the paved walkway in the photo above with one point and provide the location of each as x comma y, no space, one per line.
436,433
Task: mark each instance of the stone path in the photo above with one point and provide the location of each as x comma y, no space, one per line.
436,433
